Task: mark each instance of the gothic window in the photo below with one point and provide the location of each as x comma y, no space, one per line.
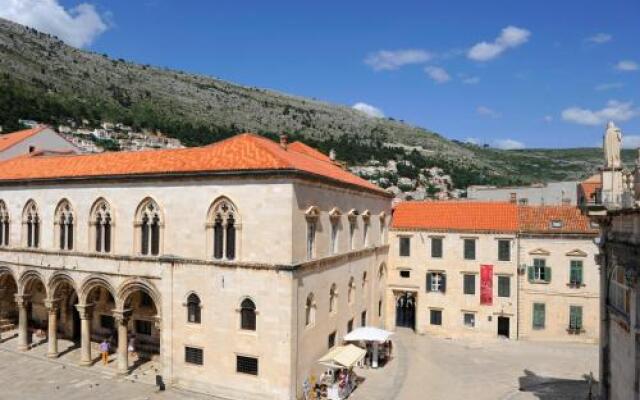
193,308
224,221
353,224
31,224
64,222
334,215
102,221
4,225
310,310
248,315
149,224
333,299
312,215
366,224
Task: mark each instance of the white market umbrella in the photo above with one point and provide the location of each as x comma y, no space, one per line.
368,334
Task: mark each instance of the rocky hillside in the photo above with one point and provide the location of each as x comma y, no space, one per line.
42,78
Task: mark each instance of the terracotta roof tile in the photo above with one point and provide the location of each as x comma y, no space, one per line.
310,151
540,219
469,216
245,152
10,139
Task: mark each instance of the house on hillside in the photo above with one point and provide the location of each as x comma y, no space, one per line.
34,139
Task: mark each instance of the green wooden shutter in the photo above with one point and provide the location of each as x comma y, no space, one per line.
531,274
580,274
547,274
575,317
443,285
428,282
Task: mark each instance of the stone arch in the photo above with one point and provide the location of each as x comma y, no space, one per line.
224,229
102,221
149,224
91,283
131,286
8,271
28,278
57,280
140,209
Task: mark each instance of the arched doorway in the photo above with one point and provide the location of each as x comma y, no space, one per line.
406,310
64,294
96,313
8,309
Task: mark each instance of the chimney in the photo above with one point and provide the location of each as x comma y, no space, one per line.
332,155
513,198
284,140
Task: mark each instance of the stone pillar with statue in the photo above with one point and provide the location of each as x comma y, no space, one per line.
612,185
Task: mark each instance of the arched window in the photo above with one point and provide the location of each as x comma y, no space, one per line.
4,224
312,215
353,224
366,222
310,310
248,315
193,308
335,215
352,290
148,224
333,299
102,222
64,222
364,282
224,220
31,225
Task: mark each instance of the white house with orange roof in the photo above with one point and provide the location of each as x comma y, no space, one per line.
236,266
38,138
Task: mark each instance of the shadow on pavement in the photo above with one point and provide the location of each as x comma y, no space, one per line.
549,388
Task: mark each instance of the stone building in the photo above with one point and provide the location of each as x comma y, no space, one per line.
617,212
38,138
483,269
236,265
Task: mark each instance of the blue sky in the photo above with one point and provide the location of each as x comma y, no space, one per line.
506,73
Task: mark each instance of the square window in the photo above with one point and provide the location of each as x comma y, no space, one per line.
504,286
435,317
405,247
436,247
469,320
436,282
193,355
247,365
405,273
469,284
332,339
469,249
504,250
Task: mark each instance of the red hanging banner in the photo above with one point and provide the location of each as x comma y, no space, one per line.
486,285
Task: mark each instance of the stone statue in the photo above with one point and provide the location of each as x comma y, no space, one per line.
612,141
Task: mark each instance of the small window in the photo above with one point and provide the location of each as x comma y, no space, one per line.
248,315
575,273
405,273
107,322
247,365
379,308
405,247
538,315
504,286
363,318
193,309
556,224
311,239
436,282
504,250
469,320
469,284
469,249
193,355
143,327
331,342
435,317
350,325
575,318
436,247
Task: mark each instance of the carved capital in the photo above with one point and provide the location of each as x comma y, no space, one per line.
122,316
22,299
157,322
52,304
84,310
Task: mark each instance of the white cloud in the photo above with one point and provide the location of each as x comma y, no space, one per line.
394,59
508,144
613,111
631,141
609,86
627,65
471,140
78,26
439,75
369,110
510,37
472,80
548,118
599,38
487,112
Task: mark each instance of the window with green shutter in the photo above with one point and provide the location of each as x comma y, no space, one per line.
504,250
575,318
539,272
538,315
504,286
469,249
436,247
469,284
575,274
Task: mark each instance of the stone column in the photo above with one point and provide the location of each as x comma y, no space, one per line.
2,293
122,320
52,336
84,311
22,301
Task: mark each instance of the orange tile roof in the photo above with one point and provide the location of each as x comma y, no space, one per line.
245,152
478,216
538,219
11,139
590,186
308,150
472,216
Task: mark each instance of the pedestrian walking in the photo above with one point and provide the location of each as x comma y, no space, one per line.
104,351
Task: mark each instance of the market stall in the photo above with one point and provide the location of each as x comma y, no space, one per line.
339,380
377,342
